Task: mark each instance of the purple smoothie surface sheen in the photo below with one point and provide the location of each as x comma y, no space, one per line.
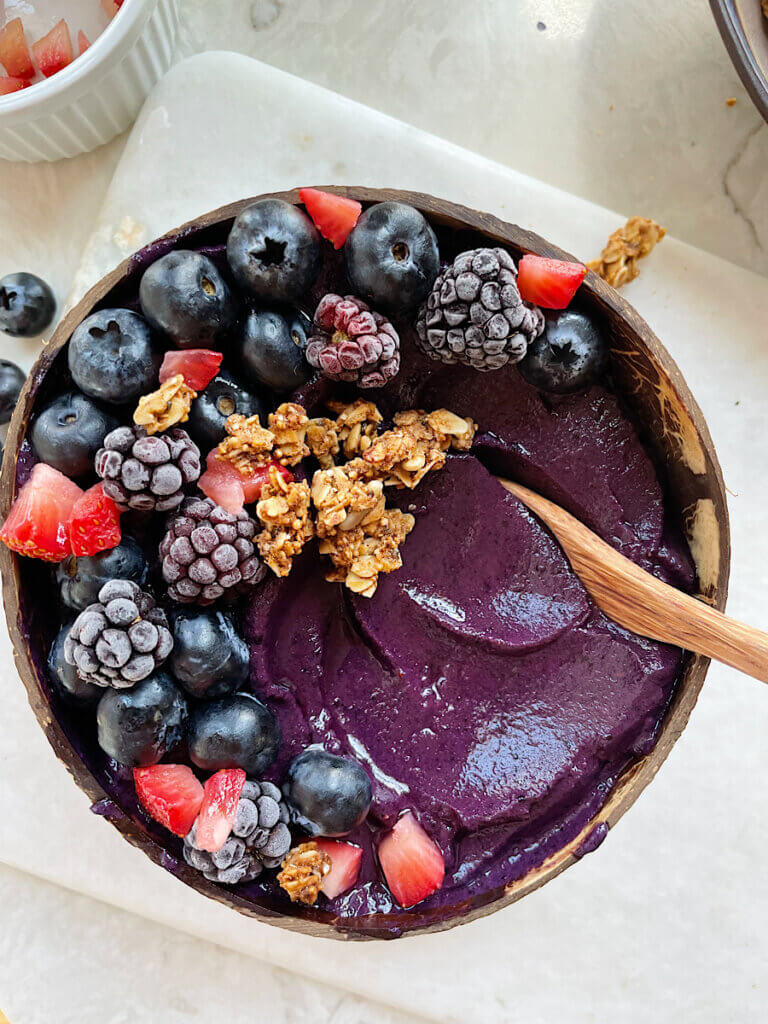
480,686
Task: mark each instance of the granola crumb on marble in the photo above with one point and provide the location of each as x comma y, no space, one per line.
162,409
618,262
284,511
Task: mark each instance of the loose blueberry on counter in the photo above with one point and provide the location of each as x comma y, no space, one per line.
81,579
209,659
272,348
273,251
392,257
64,676
141,725
184,295
111,357
234,732
27,305
68,433
568,356
222,398
328,795
12,380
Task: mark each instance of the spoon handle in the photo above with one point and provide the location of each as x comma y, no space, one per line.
643,604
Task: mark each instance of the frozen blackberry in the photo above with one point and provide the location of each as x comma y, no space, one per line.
260,838
208,553
148,473
475,315
120,640
350,342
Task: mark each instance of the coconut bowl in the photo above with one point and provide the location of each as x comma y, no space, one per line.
744,29
670,423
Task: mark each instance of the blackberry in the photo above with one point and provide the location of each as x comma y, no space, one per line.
120,640
475,315
350,342
260,838
208,553
147,473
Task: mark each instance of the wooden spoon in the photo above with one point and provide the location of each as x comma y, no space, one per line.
639,602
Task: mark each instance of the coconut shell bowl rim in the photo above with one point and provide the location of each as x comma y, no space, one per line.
659,397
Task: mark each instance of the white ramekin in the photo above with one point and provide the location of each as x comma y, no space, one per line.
99,94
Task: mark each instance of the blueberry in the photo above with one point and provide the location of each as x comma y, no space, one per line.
64,677
210,658
234,732
185,296
68,433
27,305
392,257
328,795
81,578
569,356
209,412
272,347
111,358
141,725
11,382
274,251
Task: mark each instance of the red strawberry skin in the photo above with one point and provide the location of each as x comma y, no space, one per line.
83,43
198,366
14,52
95,523
333,216
227,486
38,523
548,283
169,793
219,807
412,862
54,51
345,866
9,85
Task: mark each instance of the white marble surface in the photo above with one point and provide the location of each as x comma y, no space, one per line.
624,934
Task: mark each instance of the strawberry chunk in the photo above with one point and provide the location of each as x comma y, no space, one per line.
14,52
38,523
169,793
345,866
219,807
227,486
54,51
9,85
198,366
83,43
111,7
333,216
412,862
549,283
95,523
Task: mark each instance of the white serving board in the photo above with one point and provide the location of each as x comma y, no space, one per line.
666,921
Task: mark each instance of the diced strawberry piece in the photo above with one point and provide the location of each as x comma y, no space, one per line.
219,807
412,862
54,51
345,866
9,85
111,7
334,216
38,523
14,52
171,794
95,523
227,486
549,283
83,43
198,366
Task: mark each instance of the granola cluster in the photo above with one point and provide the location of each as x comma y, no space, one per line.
303,871
288,424
250,445
164,408
417,444
284,512
373,547
618,261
